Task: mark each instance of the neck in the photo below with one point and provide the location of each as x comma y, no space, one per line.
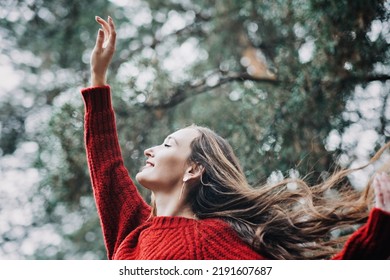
172,205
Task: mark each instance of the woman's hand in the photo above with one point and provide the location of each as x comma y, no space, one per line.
103,51
382,191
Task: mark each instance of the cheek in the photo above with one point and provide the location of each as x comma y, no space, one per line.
171,170
171,164
167,172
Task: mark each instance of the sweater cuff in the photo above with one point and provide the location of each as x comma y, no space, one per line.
97,99
379,224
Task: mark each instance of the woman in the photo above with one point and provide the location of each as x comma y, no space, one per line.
203,207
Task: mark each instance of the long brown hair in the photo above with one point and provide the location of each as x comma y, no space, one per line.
277,220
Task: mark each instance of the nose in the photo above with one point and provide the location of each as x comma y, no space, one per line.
149,152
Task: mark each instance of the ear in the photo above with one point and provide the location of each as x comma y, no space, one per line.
193,172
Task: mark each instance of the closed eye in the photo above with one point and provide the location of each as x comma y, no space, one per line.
166,145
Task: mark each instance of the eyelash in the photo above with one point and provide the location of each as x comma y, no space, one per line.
166,145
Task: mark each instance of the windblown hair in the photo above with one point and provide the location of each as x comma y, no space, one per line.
278,221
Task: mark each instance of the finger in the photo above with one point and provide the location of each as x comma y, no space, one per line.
111,26
104,24
112,38
378,197
382,191
385,187
100,39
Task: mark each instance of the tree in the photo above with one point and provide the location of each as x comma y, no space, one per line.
273,77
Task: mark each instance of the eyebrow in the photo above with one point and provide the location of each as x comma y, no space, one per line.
173,138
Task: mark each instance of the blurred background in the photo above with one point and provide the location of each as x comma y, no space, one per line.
298,87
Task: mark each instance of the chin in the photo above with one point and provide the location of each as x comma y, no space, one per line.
139,178
142,180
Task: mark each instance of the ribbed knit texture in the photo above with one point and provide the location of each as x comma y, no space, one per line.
129,231
371,241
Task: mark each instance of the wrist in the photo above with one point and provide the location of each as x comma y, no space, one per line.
98,80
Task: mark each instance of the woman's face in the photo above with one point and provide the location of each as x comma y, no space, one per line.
167,163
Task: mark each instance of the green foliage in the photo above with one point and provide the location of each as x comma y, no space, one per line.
179,63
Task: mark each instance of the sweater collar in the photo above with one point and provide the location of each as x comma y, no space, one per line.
172,222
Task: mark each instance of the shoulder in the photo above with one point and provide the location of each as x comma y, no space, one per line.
217,228
220,241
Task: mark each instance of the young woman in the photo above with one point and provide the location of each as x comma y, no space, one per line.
203,207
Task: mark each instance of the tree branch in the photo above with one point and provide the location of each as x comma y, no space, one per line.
367,78
195,88
202,86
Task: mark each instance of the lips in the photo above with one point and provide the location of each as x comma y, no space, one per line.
149,164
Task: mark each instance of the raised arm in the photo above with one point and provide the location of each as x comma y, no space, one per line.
121,208
372,240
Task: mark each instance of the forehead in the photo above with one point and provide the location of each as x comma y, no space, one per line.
185,135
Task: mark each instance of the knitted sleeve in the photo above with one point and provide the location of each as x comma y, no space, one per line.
371,241
120,206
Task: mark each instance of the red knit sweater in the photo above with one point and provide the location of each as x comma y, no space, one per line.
130,233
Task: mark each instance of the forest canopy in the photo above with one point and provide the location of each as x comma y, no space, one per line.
297,87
